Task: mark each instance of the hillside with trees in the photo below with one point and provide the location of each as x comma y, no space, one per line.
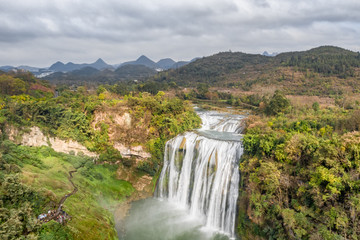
320,71
324,60
23,82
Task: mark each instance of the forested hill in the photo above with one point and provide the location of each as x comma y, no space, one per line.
320,71
214,69
326,60
22,82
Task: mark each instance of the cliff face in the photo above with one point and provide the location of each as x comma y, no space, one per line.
127,136
127,132
36,138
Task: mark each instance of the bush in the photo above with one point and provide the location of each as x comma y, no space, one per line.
316,106
53,230
147,167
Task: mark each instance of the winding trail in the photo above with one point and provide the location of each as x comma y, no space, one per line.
53,215
63,199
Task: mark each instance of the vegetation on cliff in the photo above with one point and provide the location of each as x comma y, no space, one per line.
71,114
167,118
300,175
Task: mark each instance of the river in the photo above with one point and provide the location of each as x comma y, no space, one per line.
197,190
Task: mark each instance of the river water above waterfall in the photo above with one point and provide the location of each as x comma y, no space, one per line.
198,187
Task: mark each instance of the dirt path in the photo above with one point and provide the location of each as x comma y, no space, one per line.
63,199
59,213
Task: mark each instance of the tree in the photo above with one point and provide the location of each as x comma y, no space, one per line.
278,103
202,89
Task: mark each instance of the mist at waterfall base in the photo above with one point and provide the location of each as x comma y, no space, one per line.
198,187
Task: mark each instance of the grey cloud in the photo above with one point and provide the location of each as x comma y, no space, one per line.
167,27
262,3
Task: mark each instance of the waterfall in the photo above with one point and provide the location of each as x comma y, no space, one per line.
200,171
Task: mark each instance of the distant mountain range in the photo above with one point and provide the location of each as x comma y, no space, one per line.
88,75
100,65
163,64
61,67
143,60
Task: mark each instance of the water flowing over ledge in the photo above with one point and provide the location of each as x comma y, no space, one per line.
200,171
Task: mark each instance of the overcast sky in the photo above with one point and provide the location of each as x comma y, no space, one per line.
40,32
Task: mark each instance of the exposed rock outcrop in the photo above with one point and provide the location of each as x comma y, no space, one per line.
131,151
127,132
36,138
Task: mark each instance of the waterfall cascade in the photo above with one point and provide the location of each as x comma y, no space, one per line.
200,170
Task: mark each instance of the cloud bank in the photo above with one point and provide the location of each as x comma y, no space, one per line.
39,32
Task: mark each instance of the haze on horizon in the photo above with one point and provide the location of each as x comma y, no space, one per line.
40,32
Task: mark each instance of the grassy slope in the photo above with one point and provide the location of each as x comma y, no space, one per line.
98,189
